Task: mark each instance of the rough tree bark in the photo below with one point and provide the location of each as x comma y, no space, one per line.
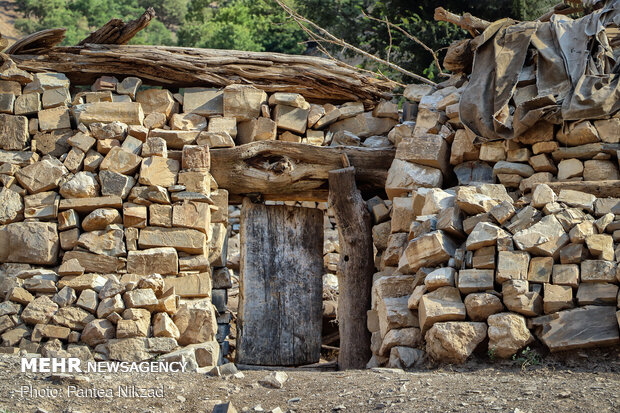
117,31
459,57
355,268
37,42
317,79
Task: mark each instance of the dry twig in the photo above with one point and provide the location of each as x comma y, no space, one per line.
323,36
410,37
574,6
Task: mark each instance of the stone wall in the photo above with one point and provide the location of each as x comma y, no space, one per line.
497,259
113,234
112,231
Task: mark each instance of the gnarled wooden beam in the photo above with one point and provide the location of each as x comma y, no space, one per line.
292,171
600,189
117,31
37,42
315,78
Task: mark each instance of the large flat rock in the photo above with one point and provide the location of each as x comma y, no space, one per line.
589,326
94,262
90,204
182,239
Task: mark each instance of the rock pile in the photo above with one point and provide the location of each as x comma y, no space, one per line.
499,263
110,222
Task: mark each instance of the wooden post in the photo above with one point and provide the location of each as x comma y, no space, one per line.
355,268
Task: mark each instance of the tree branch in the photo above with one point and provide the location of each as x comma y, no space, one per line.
326,37
410,37
472,24
561,8
390,35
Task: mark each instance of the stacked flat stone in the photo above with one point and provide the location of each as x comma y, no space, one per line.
110,223
497,256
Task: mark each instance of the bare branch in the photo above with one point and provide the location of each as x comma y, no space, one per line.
390,35
314,38
472,24
326,37
410,37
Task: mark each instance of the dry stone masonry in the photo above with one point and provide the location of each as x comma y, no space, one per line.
492,244
112,231
115,238
113,234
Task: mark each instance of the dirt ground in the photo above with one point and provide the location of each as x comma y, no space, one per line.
586,381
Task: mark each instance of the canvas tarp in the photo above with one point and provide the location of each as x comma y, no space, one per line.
576,74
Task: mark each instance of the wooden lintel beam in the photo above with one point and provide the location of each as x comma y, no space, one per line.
286,171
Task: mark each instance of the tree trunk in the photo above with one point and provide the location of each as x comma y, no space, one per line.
355,269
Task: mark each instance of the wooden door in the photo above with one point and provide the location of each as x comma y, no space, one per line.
280,305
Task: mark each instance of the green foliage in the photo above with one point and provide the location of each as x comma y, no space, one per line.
344,19
80,17
492,353
169,12
255,25
531,10
527,358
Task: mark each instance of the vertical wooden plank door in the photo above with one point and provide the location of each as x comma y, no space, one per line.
280,306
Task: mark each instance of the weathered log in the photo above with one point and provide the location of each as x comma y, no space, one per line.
600,189
291,171
472,24
117,31
315,78
281,285
37,41
355,268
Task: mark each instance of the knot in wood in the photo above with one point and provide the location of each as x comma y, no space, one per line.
273,163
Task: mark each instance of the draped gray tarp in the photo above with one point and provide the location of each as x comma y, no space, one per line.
577,74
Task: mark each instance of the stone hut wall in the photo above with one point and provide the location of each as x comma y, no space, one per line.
479,252
113,233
